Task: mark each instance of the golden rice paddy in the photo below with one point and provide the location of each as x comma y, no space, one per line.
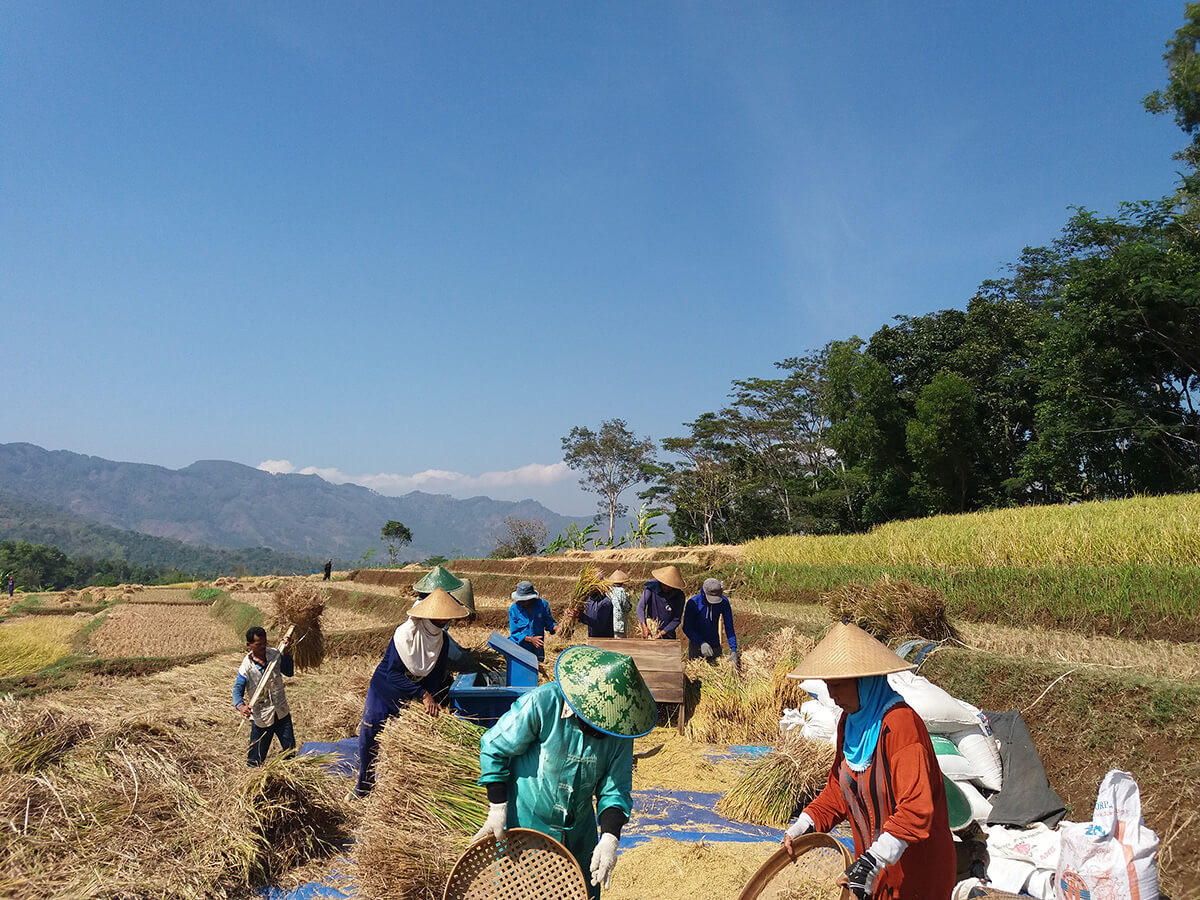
34,642
144,629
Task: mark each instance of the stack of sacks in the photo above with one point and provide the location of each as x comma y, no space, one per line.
961,737
1023,860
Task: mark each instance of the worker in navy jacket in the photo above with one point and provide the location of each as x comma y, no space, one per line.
662,602
702,622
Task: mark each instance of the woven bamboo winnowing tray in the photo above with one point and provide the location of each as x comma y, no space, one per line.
820,858
526,865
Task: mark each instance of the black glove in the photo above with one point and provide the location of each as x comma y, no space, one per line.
862,875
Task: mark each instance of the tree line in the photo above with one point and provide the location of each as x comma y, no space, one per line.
38,567
1074,377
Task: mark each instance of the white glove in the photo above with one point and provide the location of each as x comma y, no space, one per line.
604,860
497,819
802,826
706,650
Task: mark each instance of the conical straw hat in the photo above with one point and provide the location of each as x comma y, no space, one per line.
465,594
619,577
848,652
437,577
669,575
438,605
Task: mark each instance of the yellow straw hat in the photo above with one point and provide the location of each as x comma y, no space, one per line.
669,575
620,576
848,652
439,605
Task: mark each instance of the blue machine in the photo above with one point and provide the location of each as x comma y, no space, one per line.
472,697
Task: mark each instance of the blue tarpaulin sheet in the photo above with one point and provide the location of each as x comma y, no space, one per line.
344,752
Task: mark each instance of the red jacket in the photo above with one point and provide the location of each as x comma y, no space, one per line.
901,792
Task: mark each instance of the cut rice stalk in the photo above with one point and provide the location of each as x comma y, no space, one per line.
772,790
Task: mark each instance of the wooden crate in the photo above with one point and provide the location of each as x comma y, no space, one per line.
661,665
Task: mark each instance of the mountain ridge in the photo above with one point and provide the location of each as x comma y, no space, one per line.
225,504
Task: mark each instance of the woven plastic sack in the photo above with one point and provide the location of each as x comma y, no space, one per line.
983,754
941,713
1113,856
981,806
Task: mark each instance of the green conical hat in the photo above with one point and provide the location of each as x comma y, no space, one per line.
437,578
606,690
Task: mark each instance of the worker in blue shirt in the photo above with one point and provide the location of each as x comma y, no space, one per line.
529,619
270,717
702,617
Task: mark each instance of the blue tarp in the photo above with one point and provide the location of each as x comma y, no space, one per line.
345,753
686,816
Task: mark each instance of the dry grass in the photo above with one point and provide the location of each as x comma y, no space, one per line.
165,595
1167,660
126,803
425,807
771,790
143,629
1141,531
30,644
892,608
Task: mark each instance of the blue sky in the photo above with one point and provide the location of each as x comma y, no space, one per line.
411,245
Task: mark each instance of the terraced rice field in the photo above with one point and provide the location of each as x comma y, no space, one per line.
145,629
32,643
165,595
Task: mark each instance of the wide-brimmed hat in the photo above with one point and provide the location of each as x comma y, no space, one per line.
619,577
848,652
714,590
438,605
435,578
465,594
669,575
606,690
525,591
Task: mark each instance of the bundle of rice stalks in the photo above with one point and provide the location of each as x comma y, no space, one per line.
774,658
589,582
892,608
124,807
425,808
300,604
733,708
771,790
653,629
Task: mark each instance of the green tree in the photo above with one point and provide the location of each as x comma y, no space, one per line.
611,460
1181,96
396,534
945,440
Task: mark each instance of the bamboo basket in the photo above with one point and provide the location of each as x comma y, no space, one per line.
526,865
820,858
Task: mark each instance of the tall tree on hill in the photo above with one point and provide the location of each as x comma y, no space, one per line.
396,534
611,460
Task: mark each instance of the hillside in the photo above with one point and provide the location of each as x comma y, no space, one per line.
22,520
226,504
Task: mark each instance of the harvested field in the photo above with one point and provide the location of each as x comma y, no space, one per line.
30,644
167,595
147,629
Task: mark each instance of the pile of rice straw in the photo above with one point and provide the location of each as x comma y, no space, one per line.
300,604
892,609
771,790
666,759
425,808
745,707
127,806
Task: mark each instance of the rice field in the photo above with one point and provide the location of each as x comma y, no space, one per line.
1139,531
145,629
30,644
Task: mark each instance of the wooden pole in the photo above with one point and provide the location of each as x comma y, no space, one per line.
267,673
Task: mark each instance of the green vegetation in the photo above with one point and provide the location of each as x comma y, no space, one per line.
396,535
205,594
238,615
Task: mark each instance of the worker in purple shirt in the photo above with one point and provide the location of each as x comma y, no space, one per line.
597,615
662,600
702,623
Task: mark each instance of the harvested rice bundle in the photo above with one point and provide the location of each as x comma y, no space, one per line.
774,658
30,743
653,629
771,789
589,582
892,608
425,807
300,604
732,709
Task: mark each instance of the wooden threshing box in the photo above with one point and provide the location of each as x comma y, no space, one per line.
661,665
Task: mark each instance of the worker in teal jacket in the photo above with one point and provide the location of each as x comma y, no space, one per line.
563,745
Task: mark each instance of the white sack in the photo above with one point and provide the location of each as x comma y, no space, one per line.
791,718
818,690
1009,874
1036,844
981,807
941,713
820,721
1114,856
1041,884
983,755
952,763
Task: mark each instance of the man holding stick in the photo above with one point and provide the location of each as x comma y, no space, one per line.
262,673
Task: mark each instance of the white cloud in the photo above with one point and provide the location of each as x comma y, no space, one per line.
277,466
436,480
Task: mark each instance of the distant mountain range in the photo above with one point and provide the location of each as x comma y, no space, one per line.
222,504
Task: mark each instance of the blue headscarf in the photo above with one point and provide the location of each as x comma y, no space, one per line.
875,697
